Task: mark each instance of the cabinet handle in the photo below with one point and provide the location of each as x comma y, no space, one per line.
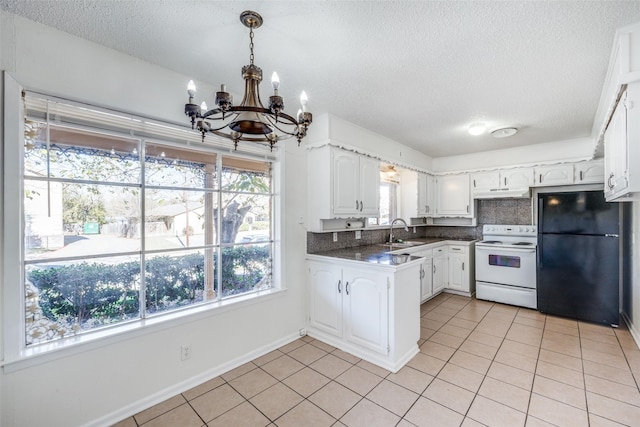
581,176
456,249
609,181
360,205
434,269
356,205
463,266
540,181
505,180
346,288
467,208
474,183
339,286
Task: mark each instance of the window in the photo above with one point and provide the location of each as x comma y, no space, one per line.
121,225
389,184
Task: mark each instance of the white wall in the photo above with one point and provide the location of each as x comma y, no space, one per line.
634,307
551,152
328,128
92,387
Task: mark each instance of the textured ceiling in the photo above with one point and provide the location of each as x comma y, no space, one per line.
418,72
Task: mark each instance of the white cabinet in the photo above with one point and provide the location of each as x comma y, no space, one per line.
369,311
349,304
453,196
486,183
459,268
622,147
356,184
426,273
341,184
365,309
554,175
589,172
325,304
426,195
440,272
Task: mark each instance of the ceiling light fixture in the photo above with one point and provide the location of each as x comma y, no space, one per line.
504,132
249,121
477,129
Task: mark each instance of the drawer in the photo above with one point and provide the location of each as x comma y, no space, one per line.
457,249
439,251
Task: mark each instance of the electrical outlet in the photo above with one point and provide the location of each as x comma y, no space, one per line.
185,352
300,220
358,234
303,332
335,237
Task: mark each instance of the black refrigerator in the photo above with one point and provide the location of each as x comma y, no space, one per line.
578,256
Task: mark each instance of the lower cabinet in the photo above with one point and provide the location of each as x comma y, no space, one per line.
439,269
363,312
461,269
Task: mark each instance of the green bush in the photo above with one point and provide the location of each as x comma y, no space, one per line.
94,294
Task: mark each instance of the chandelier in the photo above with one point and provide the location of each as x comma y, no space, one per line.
249,121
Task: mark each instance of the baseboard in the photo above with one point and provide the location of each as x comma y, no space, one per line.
162,395
635,334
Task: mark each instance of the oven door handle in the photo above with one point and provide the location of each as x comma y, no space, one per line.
503,249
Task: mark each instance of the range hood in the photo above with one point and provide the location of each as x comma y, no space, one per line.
502,193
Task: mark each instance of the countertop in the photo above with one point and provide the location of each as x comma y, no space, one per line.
379,254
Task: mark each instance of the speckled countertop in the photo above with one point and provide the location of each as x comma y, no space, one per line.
379,254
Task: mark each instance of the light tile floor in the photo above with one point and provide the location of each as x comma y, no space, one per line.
479,364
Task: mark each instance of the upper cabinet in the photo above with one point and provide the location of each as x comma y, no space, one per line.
342,184
618,117
554,175
426,195
453,196
621,145
589,172
513,182
356,184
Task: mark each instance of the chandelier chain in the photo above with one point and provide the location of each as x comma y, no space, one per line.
251,45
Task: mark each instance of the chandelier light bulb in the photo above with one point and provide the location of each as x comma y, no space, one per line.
203,108
275,82
299,115
303,101
477,129
191,89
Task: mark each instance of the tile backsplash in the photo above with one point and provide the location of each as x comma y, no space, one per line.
489,211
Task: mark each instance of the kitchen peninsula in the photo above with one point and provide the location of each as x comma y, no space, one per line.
365,300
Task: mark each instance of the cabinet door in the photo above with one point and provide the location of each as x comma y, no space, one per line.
457,272
485,180
345,182
589,172
426,279
554,175
366,309
439,272
423,204
369,194
325,297
516,178
453,195
615,152
430,185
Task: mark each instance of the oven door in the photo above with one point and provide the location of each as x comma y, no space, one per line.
507,266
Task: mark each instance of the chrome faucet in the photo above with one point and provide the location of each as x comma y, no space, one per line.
406,228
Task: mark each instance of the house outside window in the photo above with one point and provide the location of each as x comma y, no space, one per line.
128,221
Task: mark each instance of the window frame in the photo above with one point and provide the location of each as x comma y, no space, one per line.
17,354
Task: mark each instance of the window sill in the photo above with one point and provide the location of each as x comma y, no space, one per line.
44,353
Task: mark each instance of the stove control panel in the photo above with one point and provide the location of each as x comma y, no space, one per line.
510,230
